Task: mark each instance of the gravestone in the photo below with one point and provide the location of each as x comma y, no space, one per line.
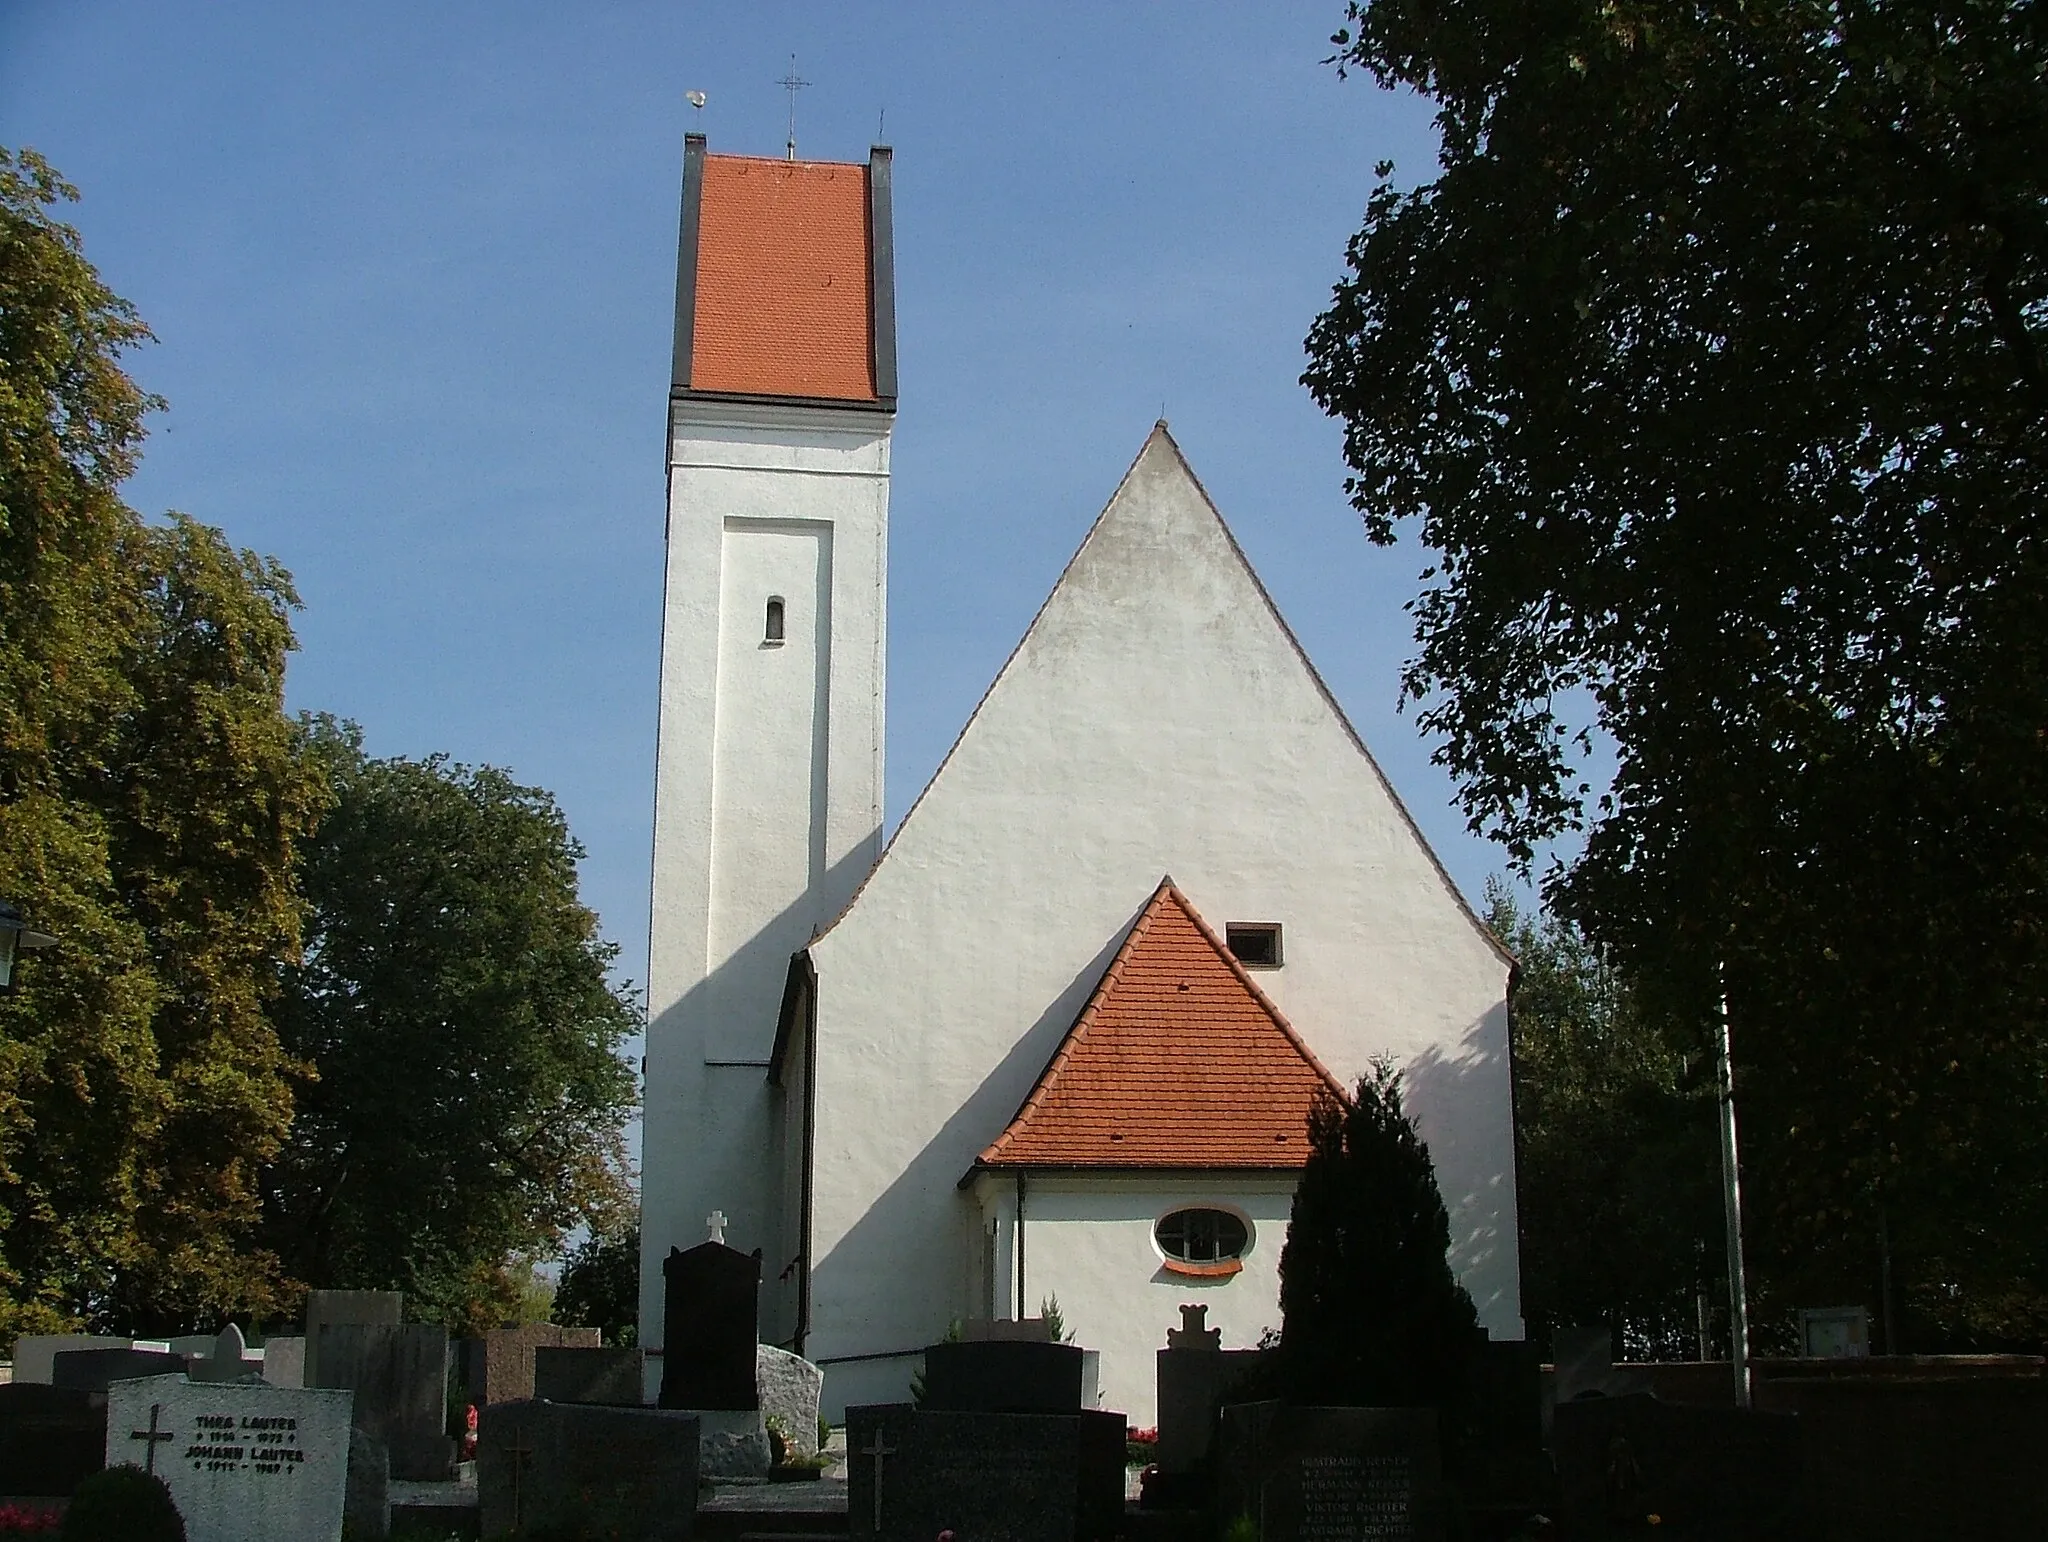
51,1438
1298,1474
399,1374
790,1387
284,1360
366,1497
586,1470
1194,1376
1723,1474
1584,1357
227,1358
507,1359
1033,1330
92,1370
244,1462
1010,1376
710,1325
34,1352
361,1308
916,1473
611,1377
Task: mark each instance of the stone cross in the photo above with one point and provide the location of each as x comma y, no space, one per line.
878,1448
153,1435
716,1221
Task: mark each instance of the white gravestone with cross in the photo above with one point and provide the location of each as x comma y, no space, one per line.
244,1462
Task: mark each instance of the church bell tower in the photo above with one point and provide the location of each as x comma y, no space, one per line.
768,780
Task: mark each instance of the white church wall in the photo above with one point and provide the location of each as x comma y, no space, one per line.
1088,1242
768,797
1157,718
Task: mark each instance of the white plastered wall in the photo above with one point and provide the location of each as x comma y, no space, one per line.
1156,719
768,789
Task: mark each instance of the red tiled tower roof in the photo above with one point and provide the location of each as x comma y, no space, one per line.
1178,1060
784,285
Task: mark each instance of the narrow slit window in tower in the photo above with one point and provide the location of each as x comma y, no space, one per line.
772,632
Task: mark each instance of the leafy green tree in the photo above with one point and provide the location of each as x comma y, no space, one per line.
150,805
453,1001
1711,364
1618,1164
600,1286
1371,1314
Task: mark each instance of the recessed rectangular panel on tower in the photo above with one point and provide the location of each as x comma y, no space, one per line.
768,775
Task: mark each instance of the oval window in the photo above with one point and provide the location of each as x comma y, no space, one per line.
1202,1236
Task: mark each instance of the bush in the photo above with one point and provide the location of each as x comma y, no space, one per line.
1371,1313
122,1504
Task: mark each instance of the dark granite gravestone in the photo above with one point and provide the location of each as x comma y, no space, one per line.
1330,1474
506,1362
611,1377
1193,1377
1706,1473
399,1374
710,1325
913,1473
90,1370
51,1438
1008,1376
580,1470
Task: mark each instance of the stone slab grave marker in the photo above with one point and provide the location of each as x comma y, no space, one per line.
93,1370
51,1438
284,1360
399,1374
710,1327
227,1358
610,1377
34,1353
1706,1473
507,1359
1299,1474
1194,1376
627,1473
914,1473
363,1308
790,1387
1010,1376
244,1462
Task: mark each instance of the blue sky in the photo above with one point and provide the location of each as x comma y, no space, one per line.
411,268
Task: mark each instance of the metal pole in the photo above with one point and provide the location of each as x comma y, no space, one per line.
1731,1191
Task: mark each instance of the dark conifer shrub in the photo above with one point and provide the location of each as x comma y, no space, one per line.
1371,1313
122,1504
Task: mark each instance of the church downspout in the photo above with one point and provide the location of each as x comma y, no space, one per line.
803,1272
1019,1314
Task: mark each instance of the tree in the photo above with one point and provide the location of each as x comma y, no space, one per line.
600,1286
1711,365
150,806
454,1004
1618,1168
1371,1314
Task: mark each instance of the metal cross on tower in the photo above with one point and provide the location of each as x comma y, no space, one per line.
792,85
153,1435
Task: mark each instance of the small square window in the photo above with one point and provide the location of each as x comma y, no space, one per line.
1255,944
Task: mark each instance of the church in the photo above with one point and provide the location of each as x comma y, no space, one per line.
1056,1039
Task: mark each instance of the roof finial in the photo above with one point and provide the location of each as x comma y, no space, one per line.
792,85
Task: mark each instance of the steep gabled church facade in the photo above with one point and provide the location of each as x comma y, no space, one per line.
1059,1040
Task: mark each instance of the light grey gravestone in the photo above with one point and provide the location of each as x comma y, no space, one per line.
284,1360
227,1358
399,1374
369,1308
35,1353
244,1462
557,1468
790,1386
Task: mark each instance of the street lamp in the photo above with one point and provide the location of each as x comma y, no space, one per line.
16,937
